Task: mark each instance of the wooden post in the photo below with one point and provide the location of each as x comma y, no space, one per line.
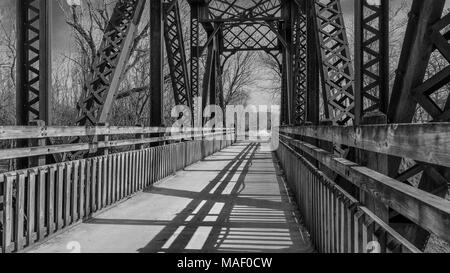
38,160
376,162
327,146
104,138
139,136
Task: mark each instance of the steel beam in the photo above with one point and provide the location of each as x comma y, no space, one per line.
299,22
33,96
33,71
156,63
312,82
100,92
371,58
427,32
244,10
286,49
195,50
176,55
209,95
249,36
337,68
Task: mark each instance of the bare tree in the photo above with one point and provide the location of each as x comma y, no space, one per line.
239,75
272,72
7,70
88,25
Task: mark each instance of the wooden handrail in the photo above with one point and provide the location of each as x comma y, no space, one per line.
48,132
34,132
336,221
428,143
425,209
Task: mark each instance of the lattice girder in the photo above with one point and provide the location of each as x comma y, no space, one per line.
249,36
176,54
34,62
99,93
415,85
242,10
371,58
300,66
337,70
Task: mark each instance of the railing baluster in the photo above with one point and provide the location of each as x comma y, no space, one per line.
51,200
82,187
41,204
19,211
100,183
126,174
8,185
74,201
87,185
31,207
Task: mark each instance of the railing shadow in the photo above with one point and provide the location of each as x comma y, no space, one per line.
222,218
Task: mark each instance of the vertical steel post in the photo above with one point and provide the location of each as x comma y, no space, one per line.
313,90
33,94
195,49
371,58
286,9
33,86
157,63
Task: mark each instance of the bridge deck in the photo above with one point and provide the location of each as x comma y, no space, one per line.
232,201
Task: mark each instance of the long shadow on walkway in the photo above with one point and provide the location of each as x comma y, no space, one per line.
244,208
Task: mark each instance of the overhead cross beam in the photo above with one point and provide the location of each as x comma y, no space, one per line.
249,36
244,10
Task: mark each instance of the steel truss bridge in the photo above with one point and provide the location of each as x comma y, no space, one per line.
343,137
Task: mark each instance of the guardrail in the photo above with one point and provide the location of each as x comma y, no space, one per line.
100,138
336,221
421,142
43,201
424,209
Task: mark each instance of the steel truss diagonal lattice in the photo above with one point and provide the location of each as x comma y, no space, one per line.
100,92
33,61
337,70
440,37
176,54
195,51
371,57
300,65
417,84
244,9
249,36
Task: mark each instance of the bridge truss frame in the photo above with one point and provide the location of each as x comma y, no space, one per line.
320,82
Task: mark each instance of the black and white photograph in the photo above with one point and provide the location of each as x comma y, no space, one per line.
221,135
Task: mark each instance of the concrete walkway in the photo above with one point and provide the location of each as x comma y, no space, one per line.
233,201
